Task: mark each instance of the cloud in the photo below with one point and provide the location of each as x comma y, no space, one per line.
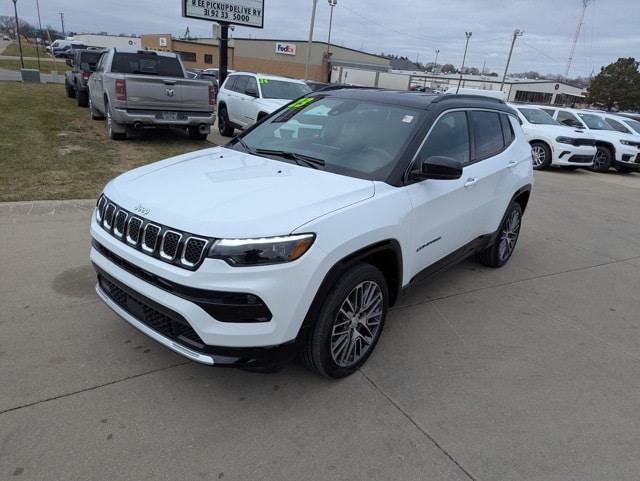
410,29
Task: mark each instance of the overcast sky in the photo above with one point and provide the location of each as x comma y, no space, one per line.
411,29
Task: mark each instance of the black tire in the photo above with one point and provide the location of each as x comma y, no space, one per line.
602,160
499,253
110,123
540,155
82,97
317,350
93,113
71,93
194,134
224,127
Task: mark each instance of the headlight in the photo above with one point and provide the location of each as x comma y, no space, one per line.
260,252
565,140
629,142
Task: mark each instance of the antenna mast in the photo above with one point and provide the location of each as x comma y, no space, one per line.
585,4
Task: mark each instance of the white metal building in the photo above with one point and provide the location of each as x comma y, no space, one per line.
516,90
108,41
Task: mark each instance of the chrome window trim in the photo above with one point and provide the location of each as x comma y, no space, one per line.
405,177
144,235
164,236
184,249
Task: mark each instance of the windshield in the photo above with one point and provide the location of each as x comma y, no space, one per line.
349,137
538,117
595,122
281,89
147,64
634,124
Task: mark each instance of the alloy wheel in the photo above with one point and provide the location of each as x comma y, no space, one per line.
509,235
600,159
356,324
539,155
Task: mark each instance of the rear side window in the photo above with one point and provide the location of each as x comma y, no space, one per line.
230,82
507,129
486,131
146,64
448,138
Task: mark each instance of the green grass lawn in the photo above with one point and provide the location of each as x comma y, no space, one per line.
28,50
50,149
46,66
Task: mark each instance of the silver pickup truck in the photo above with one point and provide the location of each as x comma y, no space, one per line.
141,89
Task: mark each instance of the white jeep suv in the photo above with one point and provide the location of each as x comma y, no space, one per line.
614,149
298,235
245,98
553,143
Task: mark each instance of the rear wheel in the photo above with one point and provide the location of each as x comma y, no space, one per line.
195,134
349,323
114,129
541,155
82,97
497,254
602,159
93,113
225,128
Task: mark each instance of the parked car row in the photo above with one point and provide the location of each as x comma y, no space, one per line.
573,138
138,89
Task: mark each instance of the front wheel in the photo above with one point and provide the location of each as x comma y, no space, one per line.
602,159
540,155
225,128
497,254
349,323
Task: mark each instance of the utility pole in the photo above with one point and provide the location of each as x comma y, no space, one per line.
15,9
62,21
484,64
466,46
516,33
332,3
435,63
39,32
310,43
585,4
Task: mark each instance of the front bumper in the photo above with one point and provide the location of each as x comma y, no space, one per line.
287,290
575,155
164,118
629,158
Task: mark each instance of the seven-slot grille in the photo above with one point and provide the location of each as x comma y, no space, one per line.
170,245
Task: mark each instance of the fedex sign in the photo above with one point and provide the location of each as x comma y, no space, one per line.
285,48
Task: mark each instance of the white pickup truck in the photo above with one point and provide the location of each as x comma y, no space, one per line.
141,89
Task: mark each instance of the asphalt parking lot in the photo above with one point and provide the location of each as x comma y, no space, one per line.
530,372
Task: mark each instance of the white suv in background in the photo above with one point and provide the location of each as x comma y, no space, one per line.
553,143
245,98
278,244
614,149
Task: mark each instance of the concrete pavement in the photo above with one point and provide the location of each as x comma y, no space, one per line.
529,372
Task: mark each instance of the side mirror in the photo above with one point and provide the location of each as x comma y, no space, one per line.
439,168
251,91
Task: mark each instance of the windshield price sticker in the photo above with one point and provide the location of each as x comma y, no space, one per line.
249,13
303,102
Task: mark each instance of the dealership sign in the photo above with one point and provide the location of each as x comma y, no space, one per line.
249,13
285,48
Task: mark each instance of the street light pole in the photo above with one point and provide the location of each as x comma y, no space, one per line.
15,10
464,57
62,20
435,64
310,43
516,33
332,3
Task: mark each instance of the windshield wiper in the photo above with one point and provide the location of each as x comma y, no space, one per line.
245,146
309,161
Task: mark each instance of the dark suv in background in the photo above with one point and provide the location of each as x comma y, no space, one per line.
83,63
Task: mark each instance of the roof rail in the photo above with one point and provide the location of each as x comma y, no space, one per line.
442,98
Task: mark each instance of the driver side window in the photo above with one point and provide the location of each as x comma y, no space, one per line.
448,138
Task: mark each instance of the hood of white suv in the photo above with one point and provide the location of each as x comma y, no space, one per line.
224,193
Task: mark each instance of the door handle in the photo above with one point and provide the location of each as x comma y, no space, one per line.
512,164
471,181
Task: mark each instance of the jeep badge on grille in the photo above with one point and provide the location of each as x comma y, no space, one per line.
142,210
